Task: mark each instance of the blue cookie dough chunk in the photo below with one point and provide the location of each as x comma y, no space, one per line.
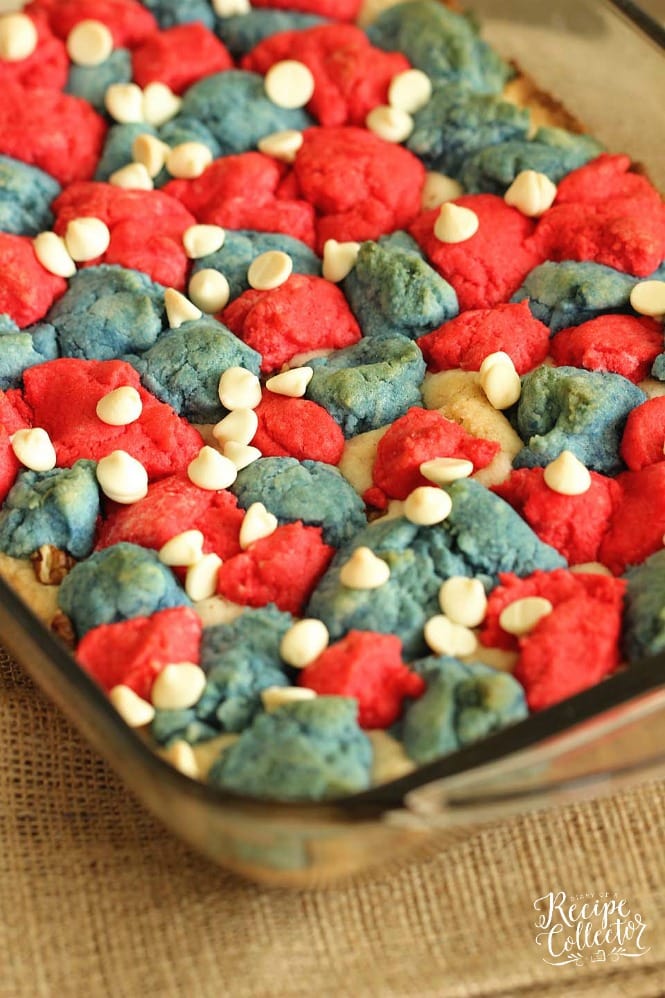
444,45
118,583
234,108
644,617
310,491
456,123
241,659
310,750
241,246
58,507
552,151
26,193
117,150
369,384
184,366
570,293
106,312
91,82
463,703
169,13
242,32
23,348
481,537
567,408
186,128
392,289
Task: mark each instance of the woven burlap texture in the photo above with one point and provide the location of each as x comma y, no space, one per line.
99,900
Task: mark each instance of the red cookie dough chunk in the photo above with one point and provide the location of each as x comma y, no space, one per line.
134,652
604,178
466,340
369,667
63,396
304,313
568,650
12,418
282,568
636,530
48,65
296,427
179,57
421,435
360,186
146,228
622,344
341,10
58,133
174,504
27,291
129,22
489,267
351,76
643,441
243,192
574,525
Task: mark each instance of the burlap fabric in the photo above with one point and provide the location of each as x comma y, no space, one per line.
99,900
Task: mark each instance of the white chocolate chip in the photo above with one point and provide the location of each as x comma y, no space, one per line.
364,570
87,238
437,189
257,523
276,696
181,756
463,600
231,8
427,505
179,309
201,578
202,240
339,259
209,290
442,470
51,251
134,711
89,43
567,475
531,192
289,84
124,102
455,223
303,642
188,160
240,426
498,357
18,37
242,455
292,383
521,617
239,389
590,568
34,449
390,123
159,104
648,298
444,637
182,549
269,270
120,407
122,478
500,381
150,151
283,146
212,471
178,686
133,177
410,91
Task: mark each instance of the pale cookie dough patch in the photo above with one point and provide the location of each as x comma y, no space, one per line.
359,457
20,575
216,610
458,396
390,761
496,658
206,752
652,389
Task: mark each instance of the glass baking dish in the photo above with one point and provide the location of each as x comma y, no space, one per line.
604,61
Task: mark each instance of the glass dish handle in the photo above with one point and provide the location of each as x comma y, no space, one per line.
623,745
